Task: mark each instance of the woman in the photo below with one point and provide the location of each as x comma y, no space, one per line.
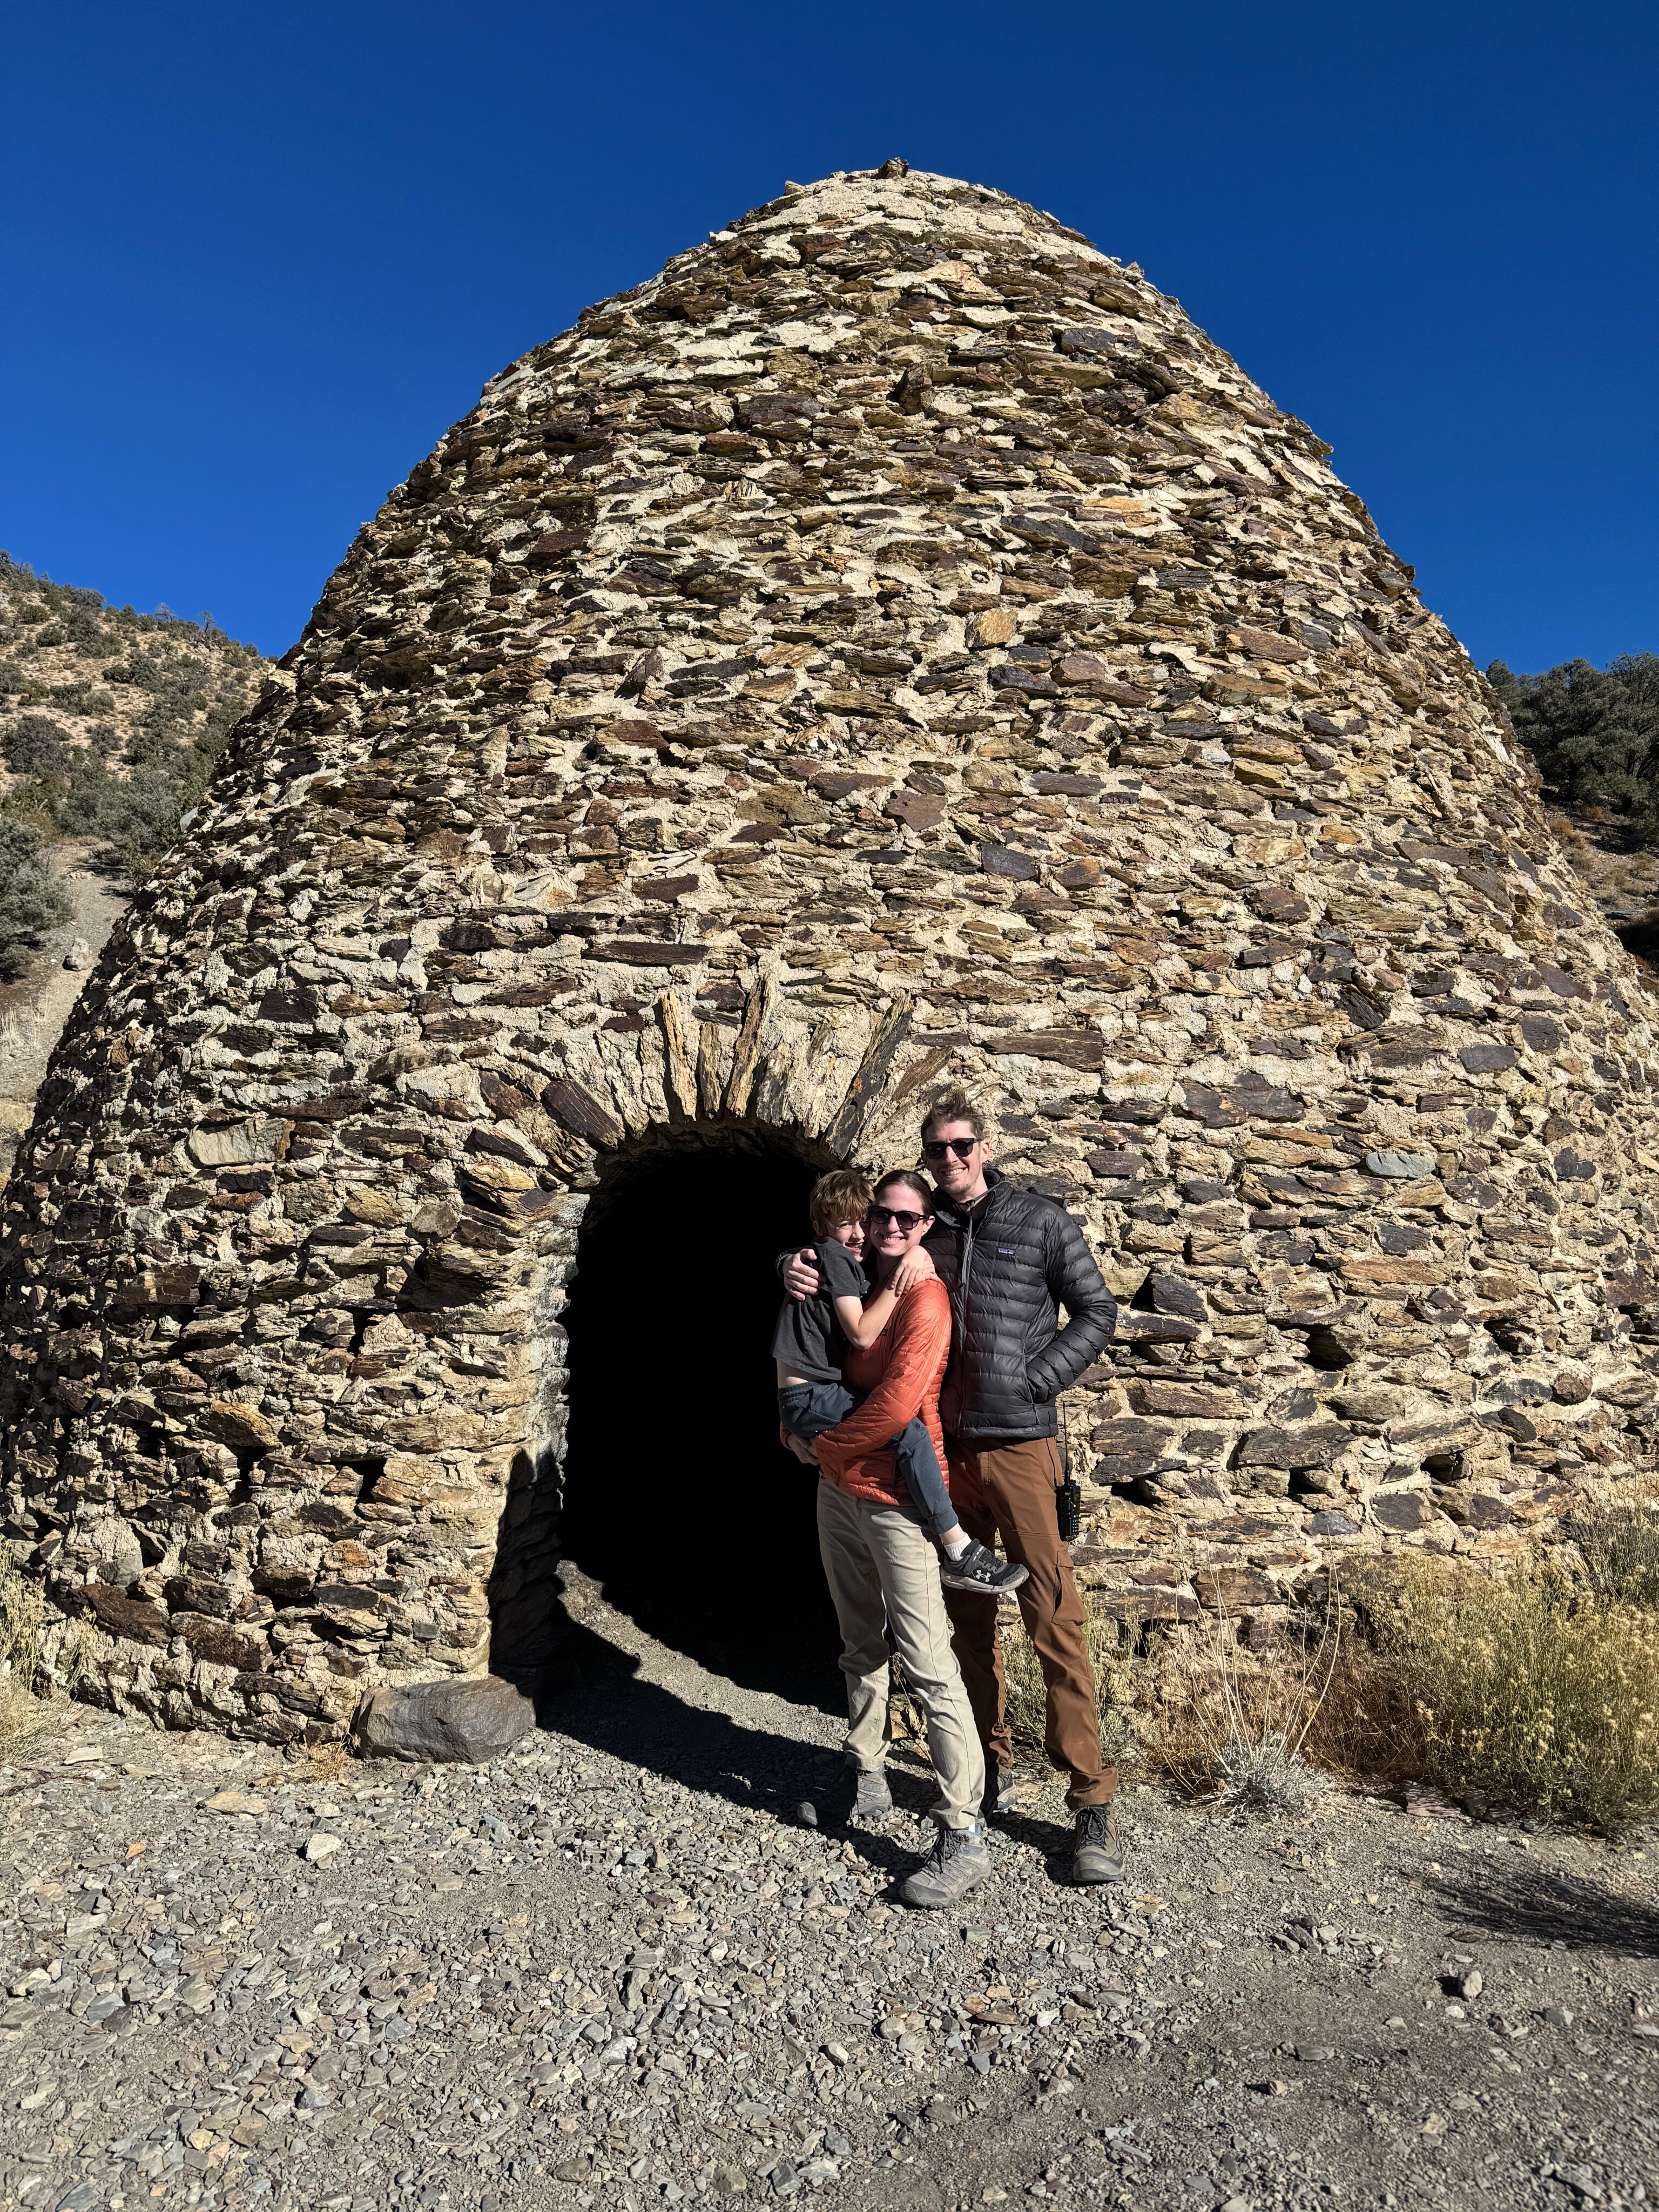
882,1568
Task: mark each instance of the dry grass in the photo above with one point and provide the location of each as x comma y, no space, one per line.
1217,1720
1523,1693
1531,1691
1235,1725
1117,1687
39,1660
1620,1547
23,1713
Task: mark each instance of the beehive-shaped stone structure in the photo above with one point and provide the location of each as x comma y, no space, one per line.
891,645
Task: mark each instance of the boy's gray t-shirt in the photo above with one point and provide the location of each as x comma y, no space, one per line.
808,1338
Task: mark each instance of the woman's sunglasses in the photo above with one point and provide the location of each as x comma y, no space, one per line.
881,1215
937,1147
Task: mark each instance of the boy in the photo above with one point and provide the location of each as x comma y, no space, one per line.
811,1336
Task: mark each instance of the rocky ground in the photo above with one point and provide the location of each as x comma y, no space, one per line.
615,1970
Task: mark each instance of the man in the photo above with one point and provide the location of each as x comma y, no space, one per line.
1011,1259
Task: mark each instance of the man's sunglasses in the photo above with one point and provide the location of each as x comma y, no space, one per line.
935,1147
898,1215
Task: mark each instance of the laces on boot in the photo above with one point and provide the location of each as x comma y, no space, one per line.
1096,1823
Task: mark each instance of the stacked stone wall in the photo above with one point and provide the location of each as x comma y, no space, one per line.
892,645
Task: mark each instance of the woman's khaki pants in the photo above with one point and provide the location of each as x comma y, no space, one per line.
883,1572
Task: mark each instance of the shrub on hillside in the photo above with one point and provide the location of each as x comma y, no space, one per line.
139,817
80,795
32,900
34,744
1594,732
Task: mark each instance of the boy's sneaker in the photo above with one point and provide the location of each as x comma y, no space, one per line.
980,1569
1094,1854
958,1862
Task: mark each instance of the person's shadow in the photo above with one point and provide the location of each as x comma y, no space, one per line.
587,1689
1052,1840
548,1637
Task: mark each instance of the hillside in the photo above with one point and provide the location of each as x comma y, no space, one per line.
109,723
109,719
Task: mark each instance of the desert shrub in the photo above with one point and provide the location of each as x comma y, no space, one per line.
34,744
1619,1544
139,817
79,796
157,742
1235,1725
38,1661
22,1620
32,900
1530,1690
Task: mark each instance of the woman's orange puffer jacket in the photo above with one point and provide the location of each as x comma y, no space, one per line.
902,1370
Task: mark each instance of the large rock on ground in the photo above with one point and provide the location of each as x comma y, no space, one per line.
892,644
470,1722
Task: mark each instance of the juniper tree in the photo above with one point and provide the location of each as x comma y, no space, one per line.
1594,732
32,900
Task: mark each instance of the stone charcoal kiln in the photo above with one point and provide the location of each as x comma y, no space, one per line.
891,645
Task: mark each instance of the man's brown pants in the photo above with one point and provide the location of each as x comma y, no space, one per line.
1009,1491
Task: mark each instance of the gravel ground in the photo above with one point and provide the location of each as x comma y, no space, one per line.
614,1969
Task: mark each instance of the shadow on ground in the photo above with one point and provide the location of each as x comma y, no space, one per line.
1530,1905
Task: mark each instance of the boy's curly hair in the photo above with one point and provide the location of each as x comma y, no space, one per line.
841,1196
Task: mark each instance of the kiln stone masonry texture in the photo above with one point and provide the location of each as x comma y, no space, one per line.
892,645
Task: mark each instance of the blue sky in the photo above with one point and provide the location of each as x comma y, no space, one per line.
256,260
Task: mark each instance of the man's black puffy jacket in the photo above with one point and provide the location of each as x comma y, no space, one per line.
1009,1264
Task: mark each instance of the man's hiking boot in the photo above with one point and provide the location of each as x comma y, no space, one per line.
1001,1798
1095,1855
958,1862
980,1569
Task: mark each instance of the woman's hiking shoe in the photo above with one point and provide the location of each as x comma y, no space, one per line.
871,1799
958,1862
863,1798
1095,1855
980,1569
1001,1793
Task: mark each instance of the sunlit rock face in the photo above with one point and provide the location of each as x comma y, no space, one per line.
892,645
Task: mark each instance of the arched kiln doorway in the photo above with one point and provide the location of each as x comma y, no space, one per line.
678,1498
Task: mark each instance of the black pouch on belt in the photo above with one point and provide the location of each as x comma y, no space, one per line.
1068,1500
